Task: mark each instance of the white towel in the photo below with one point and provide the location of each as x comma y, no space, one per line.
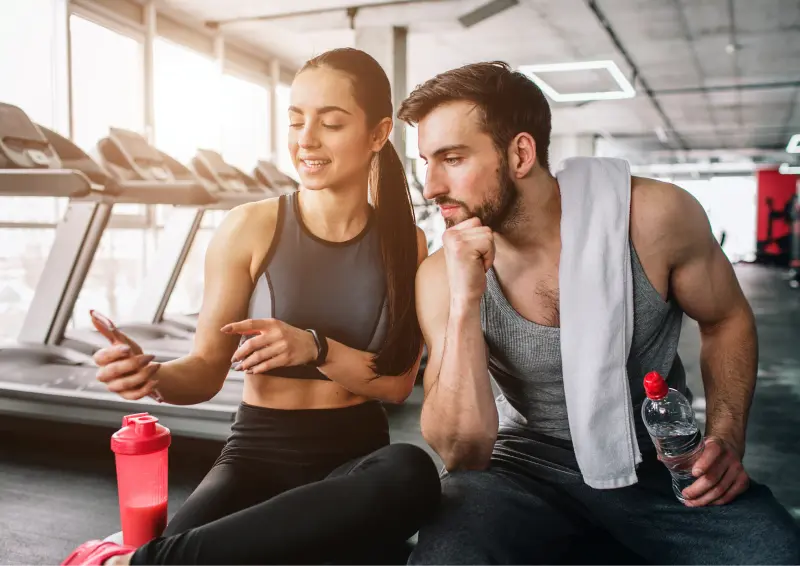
596,296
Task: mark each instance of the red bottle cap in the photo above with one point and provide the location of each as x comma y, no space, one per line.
140,434
655,386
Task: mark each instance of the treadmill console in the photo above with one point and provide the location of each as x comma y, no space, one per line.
180,172
131,157
252,185
267,174
211,167
142,174
73,157
22,143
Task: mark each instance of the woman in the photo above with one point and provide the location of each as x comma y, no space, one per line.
322,284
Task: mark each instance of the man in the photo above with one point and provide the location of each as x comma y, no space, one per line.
489,301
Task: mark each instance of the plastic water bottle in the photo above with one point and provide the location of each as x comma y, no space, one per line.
141,447
669,419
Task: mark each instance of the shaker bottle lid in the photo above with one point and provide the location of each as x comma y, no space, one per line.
140,434
655,386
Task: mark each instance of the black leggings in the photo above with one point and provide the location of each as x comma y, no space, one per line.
309,486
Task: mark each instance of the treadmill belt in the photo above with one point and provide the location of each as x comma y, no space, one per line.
72,379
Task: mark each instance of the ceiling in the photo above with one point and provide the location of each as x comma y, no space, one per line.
723,75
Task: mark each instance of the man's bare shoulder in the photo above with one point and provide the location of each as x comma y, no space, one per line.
653,200
665,219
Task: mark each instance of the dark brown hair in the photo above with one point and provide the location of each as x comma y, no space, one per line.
509,102
393,210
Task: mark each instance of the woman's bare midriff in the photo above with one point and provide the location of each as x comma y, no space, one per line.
290,393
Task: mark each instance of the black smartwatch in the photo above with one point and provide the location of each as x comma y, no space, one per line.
322,347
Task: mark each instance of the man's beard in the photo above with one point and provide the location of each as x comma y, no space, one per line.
498,213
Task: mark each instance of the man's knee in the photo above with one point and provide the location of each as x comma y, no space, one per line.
773,538
771,524
761,531
463,530
782,547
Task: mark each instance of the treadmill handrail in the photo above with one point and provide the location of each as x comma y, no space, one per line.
44,183
178,192
183,184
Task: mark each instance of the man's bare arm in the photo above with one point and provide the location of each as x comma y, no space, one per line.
703,282
459,416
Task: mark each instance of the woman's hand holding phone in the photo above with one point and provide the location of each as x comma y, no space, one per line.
124,368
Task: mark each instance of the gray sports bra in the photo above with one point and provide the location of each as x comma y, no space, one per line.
336,288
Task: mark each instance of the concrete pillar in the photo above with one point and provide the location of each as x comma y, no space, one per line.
389,46
219,60
150,20
565,146
275,140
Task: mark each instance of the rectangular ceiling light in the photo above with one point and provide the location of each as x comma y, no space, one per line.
535,71
794,144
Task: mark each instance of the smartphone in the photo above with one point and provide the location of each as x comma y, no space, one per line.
109,330
106,327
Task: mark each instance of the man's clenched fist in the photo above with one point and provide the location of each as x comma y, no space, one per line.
469,253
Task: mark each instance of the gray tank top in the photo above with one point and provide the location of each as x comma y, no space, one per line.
336,288
525,357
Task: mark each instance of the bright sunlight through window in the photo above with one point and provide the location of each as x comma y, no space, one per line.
107,87
186,102
245,122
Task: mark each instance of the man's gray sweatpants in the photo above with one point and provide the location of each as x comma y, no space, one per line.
534,513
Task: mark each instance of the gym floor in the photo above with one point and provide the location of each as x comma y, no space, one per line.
57,483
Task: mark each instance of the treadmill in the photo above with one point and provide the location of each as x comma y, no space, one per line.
31,167
132,162
269,175
39,375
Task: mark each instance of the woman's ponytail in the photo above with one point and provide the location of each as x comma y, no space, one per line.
398,236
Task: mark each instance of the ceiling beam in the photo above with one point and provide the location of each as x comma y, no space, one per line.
486,11
351,12
723,88
601,18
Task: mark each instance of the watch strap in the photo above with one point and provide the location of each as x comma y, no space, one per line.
322,347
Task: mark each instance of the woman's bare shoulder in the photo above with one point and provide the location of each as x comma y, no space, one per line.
250,229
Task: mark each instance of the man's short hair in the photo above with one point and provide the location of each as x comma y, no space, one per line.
509,102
